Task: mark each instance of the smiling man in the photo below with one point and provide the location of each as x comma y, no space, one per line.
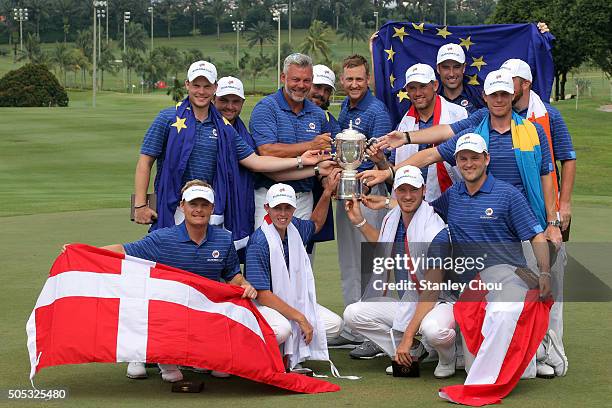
450,64
427,109
279,267
195,246
286,124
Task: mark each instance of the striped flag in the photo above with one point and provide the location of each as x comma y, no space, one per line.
102,306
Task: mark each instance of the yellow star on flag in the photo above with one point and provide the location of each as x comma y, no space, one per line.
400,32
473,79
466,42
443,32
478,63
391,80
390,54
402,95
419,27
179,124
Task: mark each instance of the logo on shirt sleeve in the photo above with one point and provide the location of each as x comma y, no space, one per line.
357,121
465,103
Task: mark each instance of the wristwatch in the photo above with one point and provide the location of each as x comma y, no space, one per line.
316,171
388,203
300,165
555,223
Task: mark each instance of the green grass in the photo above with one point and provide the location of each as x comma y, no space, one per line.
66,175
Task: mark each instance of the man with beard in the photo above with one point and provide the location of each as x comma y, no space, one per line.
287,124
427,109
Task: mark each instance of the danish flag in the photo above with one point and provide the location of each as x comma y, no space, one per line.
102,306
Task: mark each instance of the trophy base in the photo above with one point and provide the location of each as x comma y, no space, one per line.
349,187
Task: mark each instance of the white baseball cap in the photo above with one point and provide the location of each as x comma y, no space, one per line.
421,73
230,86
281,193
500,80
471,141
194,192
322,75
450,51
202,68
408,175
518,68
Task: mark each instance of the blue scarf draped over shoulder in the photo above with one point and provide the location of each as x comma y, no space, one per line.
528,155
228,184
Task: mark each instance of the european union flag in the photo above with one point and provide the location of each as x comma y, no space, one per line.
486,47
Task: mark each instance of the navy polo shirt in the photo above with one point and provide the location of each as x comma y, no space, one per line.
471,102
215,258
369,117
503,161
273,121
257,264
492,221
202,163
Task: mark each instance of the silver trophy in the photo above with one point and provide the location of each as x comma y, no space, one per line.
350,153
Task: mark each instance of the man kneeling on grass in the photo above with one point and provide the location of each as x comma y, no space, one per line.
279,268
194,246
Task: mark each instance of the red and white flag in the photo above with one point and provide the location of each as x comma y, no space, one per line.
105,307
511,358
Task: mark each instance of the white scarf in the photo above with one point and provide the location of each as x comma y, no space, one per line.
450,113
423,228
296,288
536,107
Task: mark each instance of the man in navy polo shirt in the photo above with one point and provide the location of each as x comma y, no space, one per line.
488,218
368,115
195,246
450,65
286,124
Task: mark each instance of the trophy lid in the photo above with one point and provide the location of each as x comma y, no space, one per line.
350,134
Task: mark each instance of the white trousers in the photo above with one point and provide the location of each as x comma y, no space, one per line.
501,315
349,241
374,320
557,272
303,210
282,328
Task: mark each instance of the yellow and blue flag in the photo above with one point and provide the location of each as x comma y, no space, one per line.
402,44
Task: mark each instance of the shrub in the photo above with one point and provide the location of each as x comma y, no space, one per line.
31,85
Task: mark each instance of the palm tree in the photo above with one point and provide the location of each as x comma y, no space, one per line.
39,11
317,41
106,62
353,29
62,57
132,59
216,9
135,36
32,50
260,33
255,66
169,12
194,7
